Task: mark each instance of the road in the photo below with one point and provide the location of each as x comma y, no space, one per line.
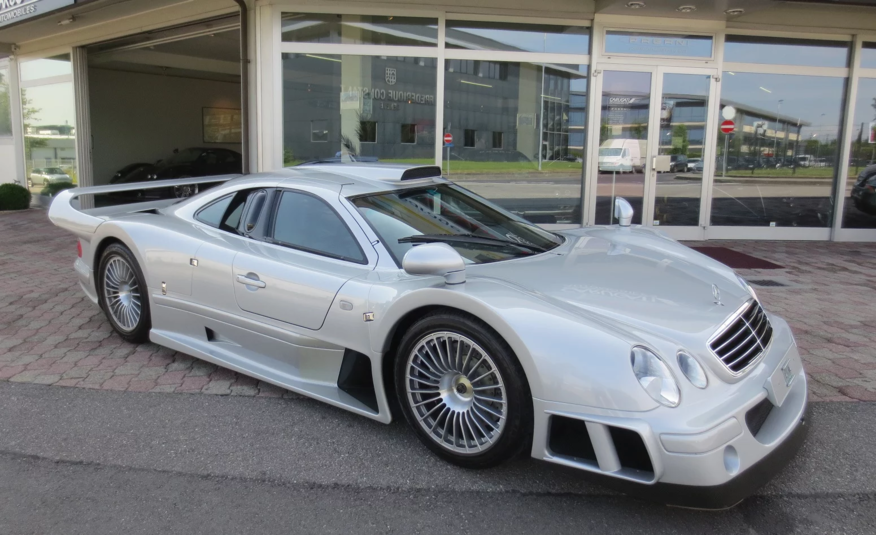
80,461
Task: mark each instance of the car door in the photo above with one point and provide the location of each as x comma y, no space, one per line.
312,248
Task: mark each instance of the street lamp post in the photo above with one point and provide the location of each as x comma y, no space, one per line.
776,131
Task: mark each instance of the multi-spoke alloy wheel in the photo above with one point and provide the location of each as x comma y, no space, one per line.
457,393
463,390
122,293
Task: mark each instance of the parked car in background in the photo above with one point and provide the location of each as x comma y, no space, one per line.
127,170
47,175
692,163
187,163
864,191
677,163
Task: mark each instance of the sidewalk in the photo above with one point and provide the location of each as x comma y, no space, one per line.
50,333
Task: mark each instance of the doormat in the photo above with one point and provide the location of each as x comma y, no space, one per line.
735,259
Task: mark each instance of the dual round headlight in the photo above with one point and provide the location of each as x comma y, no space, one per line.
656,378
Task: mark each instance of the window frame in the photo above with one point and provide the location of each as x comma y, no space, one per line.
474,137
271,224
403,142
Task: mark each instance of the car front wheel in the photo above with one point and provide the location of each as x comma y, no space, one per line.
123,294
463,391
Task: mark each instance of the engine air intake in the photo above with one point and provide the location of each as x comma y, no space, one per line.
743,339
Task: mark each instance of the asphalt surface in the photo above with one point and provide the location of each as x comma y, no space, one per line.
81,461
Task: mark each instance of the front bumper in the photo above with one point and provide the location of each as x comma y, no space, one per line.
733,448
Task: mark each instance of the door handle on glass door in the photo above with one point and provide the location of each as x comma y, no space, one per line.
243,279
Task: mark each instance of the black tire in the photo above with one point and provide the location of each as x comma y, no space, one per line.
136,331
512,438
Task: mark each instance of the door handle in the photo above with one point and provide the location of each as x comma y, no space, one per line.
243,279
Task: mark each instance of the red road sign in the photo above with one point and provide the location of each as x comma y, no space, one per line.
448,138
728,127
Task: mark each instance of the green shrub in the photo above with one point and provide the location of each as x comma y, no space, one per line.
53,188
14,197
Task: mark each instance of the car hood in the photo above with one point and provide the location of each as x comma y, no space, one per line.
632,276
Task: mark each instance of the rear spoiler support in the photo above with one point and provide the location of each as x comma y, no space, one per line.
83,223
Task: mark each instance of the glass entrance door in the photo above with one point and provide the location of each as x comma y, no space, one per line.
646,113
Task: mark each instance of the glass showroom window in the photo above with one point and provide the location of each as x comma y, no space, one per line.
521,122
860,183
363,107
49,117
518,127
359,29
779,166
5,104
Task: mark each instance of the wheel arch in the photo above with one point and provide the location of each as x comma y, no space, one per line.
403,313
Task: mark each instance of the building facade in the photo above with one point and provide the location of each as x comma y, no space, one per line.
752,120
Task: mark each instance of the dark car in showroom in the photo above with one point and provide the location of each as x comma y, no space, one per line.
122,173
864,191
186,163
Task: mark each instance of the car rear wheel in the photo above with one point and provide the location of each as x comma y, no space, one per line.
463,391
122,294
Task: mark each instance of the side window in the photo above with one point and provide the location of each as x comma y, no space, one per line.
306,222
212,213
238,213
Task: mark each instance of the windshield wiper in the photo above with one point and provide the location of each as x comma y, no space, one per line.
469,238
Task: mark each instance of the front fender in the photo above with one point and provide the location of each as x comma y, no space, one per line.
566,358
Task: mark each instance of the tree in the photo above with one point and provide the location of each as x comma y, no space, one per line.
680,142
5,107
28,115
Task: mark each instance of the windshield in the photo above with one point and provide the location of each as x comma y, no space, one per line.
53,171
479,231
609,152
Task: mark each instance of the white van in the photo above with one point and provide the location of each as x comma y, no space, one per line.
622,155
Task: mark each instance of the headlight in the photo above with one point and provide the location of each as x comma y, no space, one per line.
692,370
655,377
748,287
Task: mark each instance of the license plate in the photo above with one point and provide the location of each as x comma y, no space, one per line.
789,375
779,383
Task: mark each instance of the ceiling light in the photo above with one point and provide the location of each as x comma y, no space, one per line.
686,9
734,12
66,21
635,5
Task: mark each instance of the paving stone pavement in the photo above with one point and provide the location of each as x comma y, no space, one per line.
50,333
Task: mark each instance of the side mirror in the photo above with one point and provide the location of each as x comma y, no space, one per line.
435,259
623,211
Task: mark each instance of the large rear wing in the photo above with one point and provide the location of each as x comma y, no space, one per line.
67,213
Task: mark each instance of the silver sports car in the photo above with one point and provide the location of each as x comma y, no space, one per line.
613,350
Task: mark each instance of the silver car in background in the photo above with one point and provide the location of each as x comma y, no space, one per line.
47,175
613,350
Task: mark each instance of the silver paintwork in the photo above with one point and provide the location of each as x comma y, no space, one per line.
571,317
435,259
623,211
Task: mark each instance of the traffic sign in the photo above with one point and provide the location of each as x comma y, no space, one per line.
448,138
729,112
728,127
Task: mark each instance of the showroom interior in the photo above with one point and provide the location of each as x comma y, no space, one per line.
553,113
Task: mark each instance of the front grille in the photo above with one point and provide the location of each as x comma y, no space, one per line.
743,339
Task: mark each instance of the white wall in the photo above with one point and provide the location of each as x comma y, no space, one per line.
7,160
143,117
